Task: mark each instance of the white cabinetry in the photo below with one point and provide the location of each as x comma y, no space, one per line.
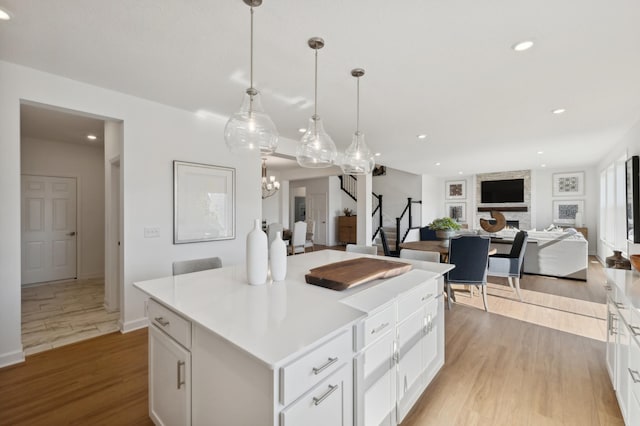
403,350
169,368
623,346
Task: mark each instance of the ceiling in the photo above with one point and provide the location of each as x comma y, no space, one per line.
54,125
442,68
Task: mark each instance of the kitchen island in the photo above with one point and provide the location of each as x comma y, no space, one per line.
288,353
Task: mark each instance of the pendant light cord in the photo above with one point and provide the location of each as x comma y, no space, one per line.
251,53
358,106
315,108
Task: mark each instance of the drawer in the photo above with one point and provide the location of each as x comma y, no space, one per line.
416,298
171,323
378,324
329,403
308,370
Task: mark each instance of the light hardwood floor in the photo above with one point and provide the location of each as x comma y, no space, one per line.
61,313
499,370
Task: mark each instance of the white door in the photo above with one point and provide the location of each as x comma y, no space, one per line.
48,228
317,210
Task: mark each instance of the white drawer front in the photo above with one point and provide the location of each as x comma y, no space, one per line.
416,298
171,323
308,370
326,404
379,324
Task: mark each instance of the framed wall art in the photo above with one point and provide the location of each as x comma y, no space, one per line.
564,211
204,202
457,211
568,184
456,190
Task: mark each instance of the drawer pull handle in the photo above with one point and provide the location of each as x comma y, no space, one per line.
619,305
318,400
607,287
635,330
380,328
160,320
635,376
330,362
426,297
180,379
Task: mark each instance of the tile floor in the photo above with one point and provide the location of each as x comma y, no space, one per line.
60,313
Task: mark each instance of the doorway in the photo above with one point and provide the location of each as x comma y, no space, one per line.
63,228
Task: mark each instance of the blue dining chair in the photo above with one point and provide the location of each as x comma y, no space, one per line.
427,234
470,254
509,265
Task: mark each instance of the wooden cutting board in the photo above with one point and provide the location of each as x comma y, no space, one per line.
349,273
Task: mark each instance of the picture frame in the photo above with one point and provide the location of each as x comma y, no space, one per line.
204,202
456,190
568,184
564,211
633,199
457,211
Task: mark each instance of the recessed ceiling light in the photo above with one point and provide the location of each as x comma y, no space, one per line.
377,154
522,46
459,173
302,130
543,165
540,152
558,111
438,163
422,136
4,15
92,137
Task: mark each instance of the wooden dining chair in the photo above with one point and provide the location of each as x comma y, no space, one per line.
470,255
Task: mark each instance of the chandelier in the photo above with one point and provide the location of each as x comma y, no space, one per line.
269,184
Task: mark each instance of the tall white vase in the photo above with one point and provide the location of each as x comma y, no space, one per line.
278,258
257,255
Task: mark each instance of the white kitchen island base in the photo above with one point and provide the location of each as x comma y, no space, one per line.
289,353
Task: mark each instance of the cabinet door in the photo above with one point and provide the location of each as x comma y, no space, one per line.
410,361
329,403
611,342
169,380
622,366
376,383
430,340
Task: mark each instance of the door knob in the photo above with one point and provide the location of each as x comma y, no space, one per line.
72,233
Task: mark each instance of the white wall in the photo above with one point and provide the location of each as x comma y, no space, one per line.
154,136
432,198
85,163
542,184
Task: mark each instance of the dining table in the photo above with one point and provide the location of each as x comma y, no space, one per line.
435,246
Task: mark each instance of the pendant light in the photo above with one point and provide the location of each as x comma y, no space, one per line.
316,149
251,129
269,183
357,159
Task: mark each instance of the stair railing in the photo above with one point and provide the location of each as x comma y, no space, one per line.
349,184
410,226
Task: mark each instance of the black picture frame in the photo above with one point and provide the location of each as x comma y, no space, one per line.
633,199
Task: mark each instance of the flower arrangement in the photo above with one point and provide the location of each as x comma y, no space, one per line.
347,211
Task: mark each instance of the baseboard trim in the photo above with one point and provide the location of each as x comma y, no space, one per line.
11,358
90,276
133,325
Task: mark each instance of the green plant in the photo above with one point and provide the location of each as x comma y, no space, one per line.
444,224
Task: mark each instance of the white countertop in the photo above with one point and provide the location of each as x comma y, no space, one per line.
274,321
627,283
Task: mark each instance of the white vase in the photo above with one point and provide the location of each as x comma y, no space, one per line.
278,258
257,255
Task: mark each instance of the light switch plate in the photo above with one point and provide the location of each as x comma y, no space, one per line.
152,232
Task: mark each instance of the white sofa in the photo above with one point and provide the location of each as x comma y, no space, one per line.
557,254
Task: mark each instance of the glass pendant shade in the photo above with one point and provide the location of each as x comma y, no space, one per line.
250,129
316,149
357,159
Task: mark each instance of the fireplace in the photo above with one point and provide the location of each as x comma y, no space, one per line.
510,223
